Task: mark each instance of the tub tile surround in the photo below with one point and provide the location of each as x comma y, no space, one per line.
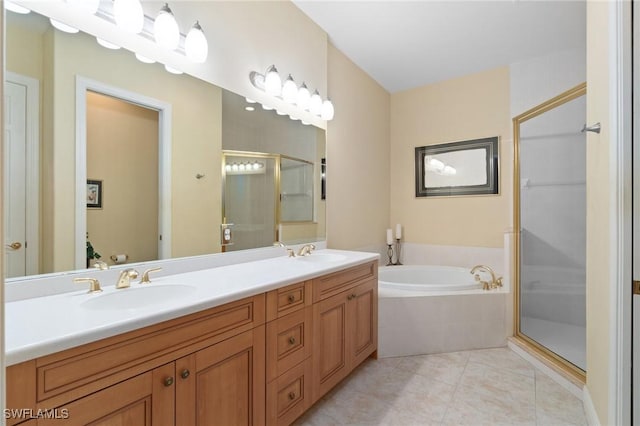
480,387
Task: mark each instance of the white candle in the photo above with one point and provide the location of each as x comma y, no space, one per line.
389,236
398,231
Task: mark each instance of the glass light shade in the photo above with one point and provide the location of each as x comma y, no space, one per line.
272,82
290,90
266,107
108,45
303,97
128,15
249,108
144,59
165,29
63,27
172,70
315,103
195,44
15,8
86,6
327,111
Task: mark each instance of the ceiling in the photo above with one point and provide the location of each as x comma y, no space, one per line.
407,44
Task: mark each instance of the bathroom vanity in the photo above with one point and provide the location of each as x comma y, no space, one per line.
262,354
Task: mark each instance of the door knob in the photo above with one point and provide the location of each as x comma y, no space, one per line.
16,245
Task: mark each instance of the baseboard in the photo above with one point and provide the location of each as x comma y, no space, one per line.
589,410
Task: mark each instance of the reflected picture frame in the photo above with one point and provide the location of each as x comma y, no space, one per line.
484,162
94,194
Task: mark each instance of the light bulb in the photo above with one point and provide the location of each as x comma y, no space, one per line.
256,166
63,27
15,8
86,6
315,103
108,45
165,29
227,167
249,108
144,59
172,70
195,44
272,82
241,167
290,90
327,111
250,101
266,107
280,112
303,97
234,167
128,15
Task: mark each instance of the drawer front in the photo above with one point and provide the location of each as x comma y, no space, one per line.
96,365
288,299
332,284
289,395
288,342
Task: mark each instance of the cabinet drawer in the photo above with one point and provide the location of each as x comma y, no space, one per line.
289,395
288,342
332,284
288,299
75,372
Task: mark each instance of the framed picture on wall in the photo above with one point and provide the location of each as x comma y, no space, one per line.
94,194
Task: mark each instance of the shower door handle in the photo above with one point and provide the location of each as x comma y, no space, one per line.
636,287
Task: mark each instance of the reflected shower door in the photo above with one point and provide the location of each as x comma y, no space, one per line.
552,221
250,200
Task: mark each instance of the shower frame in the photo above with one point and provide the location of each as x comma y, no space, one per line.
524,340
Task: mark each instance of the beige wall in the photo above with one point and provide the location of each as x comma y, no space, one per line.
357,157
598,233
470,107
122,152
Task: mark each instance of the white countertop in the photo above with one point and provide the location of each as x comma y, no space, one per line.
44,325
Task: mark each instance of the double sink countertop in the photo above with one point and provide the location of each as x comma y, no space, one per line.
41,326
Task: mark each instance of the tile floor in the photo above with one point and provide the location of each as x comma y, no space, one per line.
483,387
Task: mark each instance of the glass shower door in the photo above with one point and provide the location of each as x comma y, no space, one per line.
551,162
250,200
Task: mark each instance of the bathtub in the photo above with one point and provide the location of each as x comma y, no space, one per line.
426,309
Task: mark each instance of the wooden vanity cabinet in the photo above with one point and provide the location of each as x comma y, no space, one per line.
345,327
260,360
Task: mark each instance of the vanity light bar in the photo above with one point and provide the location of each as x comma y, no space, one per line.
244,168
271,83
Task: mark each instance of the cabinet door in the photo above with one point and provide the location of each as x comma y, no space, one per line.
229,382
144,400
330,339
363,322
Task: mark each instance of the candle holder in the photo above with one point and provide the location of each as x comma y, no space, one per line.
390,254
398,246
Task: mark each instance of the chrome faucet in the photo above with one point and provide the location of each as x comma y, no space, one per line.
124,280
486,285
289,251
306,250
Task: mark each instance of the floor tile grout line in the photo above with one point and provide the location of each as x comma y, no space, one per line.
453,395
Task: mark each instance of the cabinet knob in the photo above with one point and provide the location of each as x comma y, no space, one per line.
351,296
168,381
291,298
292,395
185,373
292,340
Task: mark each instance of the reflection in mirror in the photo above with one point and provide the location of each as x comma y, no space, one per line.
296,190
45,65
458,168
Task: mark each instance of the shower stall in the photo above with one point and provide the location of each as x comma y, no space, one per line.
550,220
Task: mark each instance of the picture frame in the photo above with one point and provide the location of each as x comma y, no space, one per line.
94,194
458,168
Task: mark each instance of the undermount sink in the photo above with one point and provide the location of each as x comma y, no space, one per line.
322,257
138,297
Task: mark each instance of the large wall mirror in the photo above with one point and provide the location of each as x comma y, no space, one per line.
77,111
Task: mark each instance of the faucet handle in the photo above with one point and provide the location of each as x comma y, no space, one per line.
498,282
306,250
145,275
94,284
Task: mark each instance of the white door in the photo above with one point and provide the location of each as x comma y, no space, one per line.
21,189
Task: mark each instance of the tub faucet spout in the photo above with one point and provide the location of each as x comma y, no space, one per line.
486,285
